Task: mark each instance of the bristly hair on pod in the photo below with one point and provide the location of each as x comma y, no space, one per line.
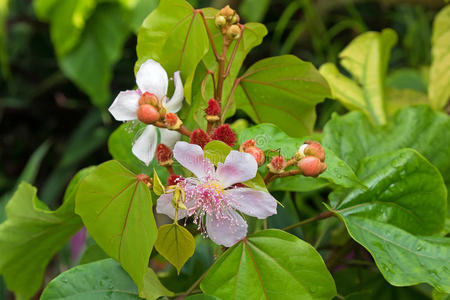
164,155
174,179
225,134
213,108
200,137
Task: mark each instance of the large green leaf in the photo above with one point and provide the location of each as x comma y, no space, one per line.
283,90
32,234
101,279
366,58
405,200
175,243
270,138
270,264
352,137
439,89
174,35
116,209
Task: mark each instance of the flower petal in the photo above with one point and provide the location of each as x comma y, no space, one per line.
144,147
226,231
176,102
164,206
192,158
125,105
251,202
238,167
152,78
169,137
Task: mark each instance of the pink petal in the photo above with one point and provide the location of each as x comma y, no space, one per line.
251,202
144,147
176,102
226,231
125,106
238,167
152,78
164,206
192,158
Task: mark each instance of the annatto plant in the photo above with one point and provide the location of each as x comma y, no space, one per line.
221,190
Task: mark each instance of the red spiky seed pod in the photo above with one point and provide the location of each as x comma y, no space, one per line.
147,114
164,155
277,165
311,166
257,153
200,137
212,111
174,179
148,98
247,144
225,134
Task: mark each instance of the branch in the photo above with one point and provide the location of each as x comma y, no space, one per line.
236,46
321,216
210,37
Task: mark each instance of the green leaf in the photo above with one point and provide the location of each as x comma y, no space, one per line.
101,279
116,209
91,254
406,198
153,289
439,89
32,234
175,243
397,99
202,297
283,90
258,266
366,58
406,78
352,137
270,138
174,35
253,10
158,187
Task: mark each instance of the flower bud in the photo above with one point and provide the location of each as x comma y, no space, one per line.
212,111
174,179
235,19
220,21
227,12
277,165
200,137
172,121
148,98
315,149
247,144
234,32
164,155
225,134
147,114
257,153
311,166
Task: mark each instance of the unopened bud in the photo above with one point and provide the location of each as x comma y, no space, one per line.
247,144
311,166
174,179
227,12
148,98
200,137
172,121
164,155
257,153
220,21
277,165
235,19
147,114
234,32
225,134
314,149
212,111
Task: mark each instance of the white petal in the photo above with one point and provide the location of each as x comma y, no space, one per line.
169,137
152,78
251,202
302,149
176,102
164,206
125,106
238,167
144,147
192,158
226,231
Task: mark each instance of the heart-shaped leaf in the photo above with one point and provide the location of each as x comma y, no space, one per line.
259,265
116,208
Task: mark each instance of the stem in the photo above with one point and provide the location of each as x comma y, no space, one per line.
221,72
210,37
272,176
193,286
169,169
321,216
236,46
183,130
233,89
210,72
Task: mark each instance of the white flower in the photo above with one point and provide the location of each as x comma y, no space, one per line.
211,197
151,78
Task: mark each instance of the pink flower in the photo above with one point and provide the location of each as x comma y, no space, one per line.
152,78
210,197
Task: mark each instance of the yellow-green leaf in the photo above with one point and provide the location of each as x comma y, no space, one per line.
158,187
